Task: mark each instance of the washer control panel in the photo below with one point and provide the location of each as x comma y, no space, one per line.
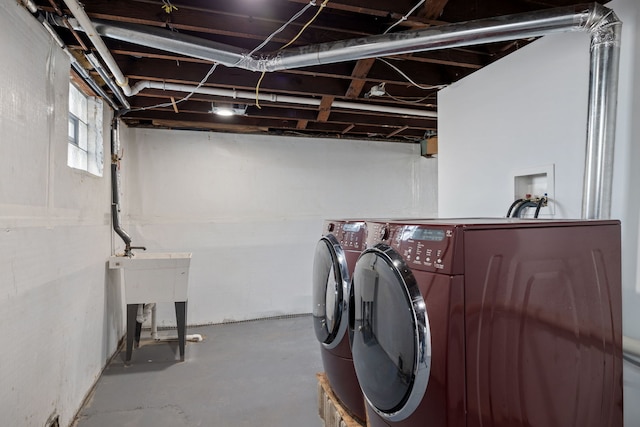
427,247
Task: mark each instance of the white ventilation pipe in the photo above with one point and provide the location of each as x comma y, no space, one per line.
86,25
272,97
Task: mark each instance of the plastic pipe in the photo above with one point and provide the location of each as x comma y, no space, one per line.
272,97
86,26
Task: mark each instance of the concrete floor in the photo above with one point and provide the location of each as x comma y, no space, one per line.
258,373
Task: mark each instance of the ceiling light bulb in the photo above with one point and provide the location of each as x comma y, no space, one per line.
224,112
227,109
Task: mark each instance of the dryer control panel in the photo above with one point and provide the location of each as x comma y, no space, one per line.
350,234
383,232
428,247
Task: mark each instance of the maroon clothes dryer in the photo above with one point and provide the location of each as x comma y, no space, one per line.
336,253
490,322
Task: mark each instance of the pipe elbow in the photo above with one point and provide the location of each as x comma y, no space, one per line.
137,88
604,26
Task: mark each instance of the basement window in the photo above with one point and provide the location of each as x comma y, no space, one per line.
85,148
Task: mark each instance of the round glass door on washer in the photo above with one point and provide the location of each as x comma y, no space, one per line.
334,260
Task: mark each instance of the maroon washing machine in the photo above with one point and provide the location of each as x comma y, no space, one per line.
336,253
490,322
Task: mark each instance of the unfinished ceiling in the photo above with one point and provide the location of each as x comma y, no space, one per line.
392,98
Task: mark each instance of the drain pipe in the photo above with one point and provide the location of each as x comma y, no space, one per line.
115,190
272,97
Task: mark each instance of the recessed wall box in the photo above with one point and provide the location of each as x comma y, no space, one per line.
536,182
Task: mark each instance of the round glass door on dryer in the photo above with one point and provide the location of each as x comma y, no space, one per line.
334,260
408,342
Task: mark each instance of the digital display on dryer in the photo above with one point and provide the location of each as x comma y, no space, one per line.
351,227
428,234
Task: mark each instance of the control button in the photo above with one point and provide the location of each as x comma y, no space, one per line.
331,227
439,261
428,259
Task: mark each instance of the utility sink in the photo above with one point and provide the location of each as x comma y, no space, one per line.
154,277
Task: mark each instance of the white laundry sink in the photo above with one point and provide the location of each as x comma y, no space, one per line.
154,277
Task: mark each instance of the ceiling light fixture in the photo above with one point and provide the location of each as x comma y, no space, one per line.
225,109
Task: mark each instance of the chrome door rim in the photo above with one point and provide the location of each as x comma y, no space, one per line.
339,261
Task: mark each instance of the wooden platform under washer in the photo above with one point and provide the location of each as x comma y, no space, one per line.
330,408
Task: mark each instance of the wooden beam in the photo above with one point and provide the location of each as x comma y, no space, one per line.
302,124
84,87
397,131
325,108
433,9
209,125
359,76
348,129
379,8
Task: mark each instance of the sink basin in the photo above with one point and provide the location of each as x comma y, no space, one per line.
154,277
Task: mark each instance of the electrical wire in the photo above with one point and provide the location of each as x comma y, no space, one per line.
304,27
409,78
322,6
285,25
258,89
513,205
405,17
406,101
167,6
171,104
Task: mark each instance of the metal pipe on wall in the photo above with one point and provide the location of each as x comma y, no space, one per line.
107,79
603,95
115,187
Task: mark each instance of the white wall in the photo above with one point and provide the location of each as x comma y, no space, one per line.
250,208
528,110
60,319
